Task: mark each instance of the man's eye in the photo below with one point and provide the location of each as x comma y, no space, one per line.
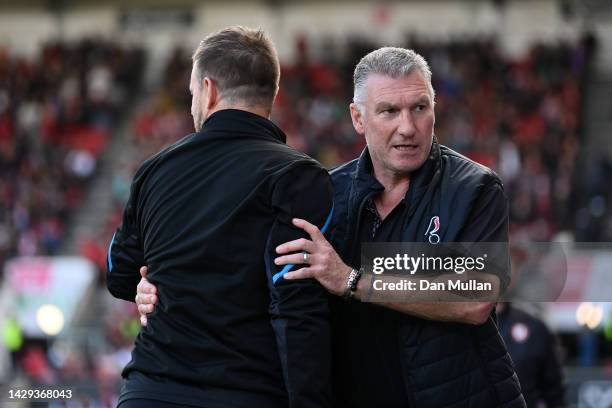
421,107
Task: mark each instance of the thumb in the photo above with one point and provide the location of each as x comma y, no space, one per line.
143,271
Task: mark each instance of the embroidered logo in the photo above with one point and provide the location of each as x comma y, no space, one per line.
434,227
519,332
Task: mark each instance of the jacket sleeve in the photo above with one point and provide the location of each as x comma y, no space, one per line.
299,311
488,222
125,253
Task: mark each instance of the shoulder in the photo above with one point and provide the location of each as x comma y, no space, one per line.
344,171
293,156
284,160
465,172
151,162
166,151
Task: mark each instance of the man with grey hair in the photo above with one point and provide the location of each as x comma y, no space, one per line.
405,187
393,62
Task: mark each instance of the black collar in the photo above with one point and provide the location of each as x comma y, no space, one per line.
242,123
364,174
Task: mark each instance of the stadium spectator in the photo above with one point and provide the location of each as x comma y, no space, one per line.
535,353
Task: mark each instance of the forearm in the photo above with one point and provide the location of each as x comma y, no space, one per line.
124,289
475,313
124,258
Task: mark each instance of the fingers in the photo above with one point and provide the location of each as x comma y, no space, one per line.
145,309
144,286
303,273
301,244
145,296
144,299
292,259
312,230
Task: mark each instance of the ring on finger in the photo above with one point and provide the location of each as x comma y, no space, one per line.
306,257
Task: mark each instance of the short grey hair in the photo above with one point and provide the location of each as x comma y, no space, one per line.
389,61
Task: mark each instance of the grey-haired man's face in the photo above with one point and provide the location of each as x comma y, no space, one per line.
397,119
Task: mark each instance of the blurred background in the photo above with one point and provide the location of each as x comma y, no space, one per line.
90,88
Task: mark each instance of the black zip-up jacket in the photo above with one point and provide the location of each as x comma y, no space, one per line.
442,364
205,215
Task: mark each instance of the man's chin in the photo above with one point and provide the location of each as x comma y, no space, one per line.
409,166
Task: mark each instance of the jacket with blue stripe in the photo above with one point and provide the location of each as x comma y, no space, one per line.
442,364
206,215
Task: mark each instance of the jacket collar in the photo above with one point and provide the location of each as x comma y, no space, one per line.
422,176
243,123
364,174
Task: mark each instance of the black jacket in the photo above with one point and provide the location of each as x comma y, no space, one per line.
534,350
442,364
205,215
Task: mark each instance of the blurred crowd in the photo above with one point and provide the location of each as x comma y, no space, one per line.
56,115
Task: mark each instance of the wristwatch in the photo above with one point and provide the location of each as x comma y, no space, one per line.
351,284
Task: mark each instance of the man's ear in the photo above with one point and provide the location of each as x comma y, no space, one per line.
357,118
211,93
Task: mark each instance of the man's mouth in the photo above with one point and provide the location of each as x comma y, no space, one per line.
406,147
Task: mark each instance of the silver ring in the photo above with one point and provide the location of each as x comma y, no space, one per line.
305,255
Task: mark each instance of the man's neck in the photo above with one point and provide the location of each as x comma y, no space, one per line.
395,191
257,110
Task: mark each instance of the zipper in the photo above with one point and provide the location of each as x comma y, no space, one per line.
355,239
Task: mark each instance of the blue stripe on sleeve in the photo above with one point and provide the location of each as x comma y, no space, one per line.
327,221
288,267
110,262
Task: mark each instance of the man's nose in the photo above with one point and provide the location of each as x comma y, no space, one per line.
406,125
